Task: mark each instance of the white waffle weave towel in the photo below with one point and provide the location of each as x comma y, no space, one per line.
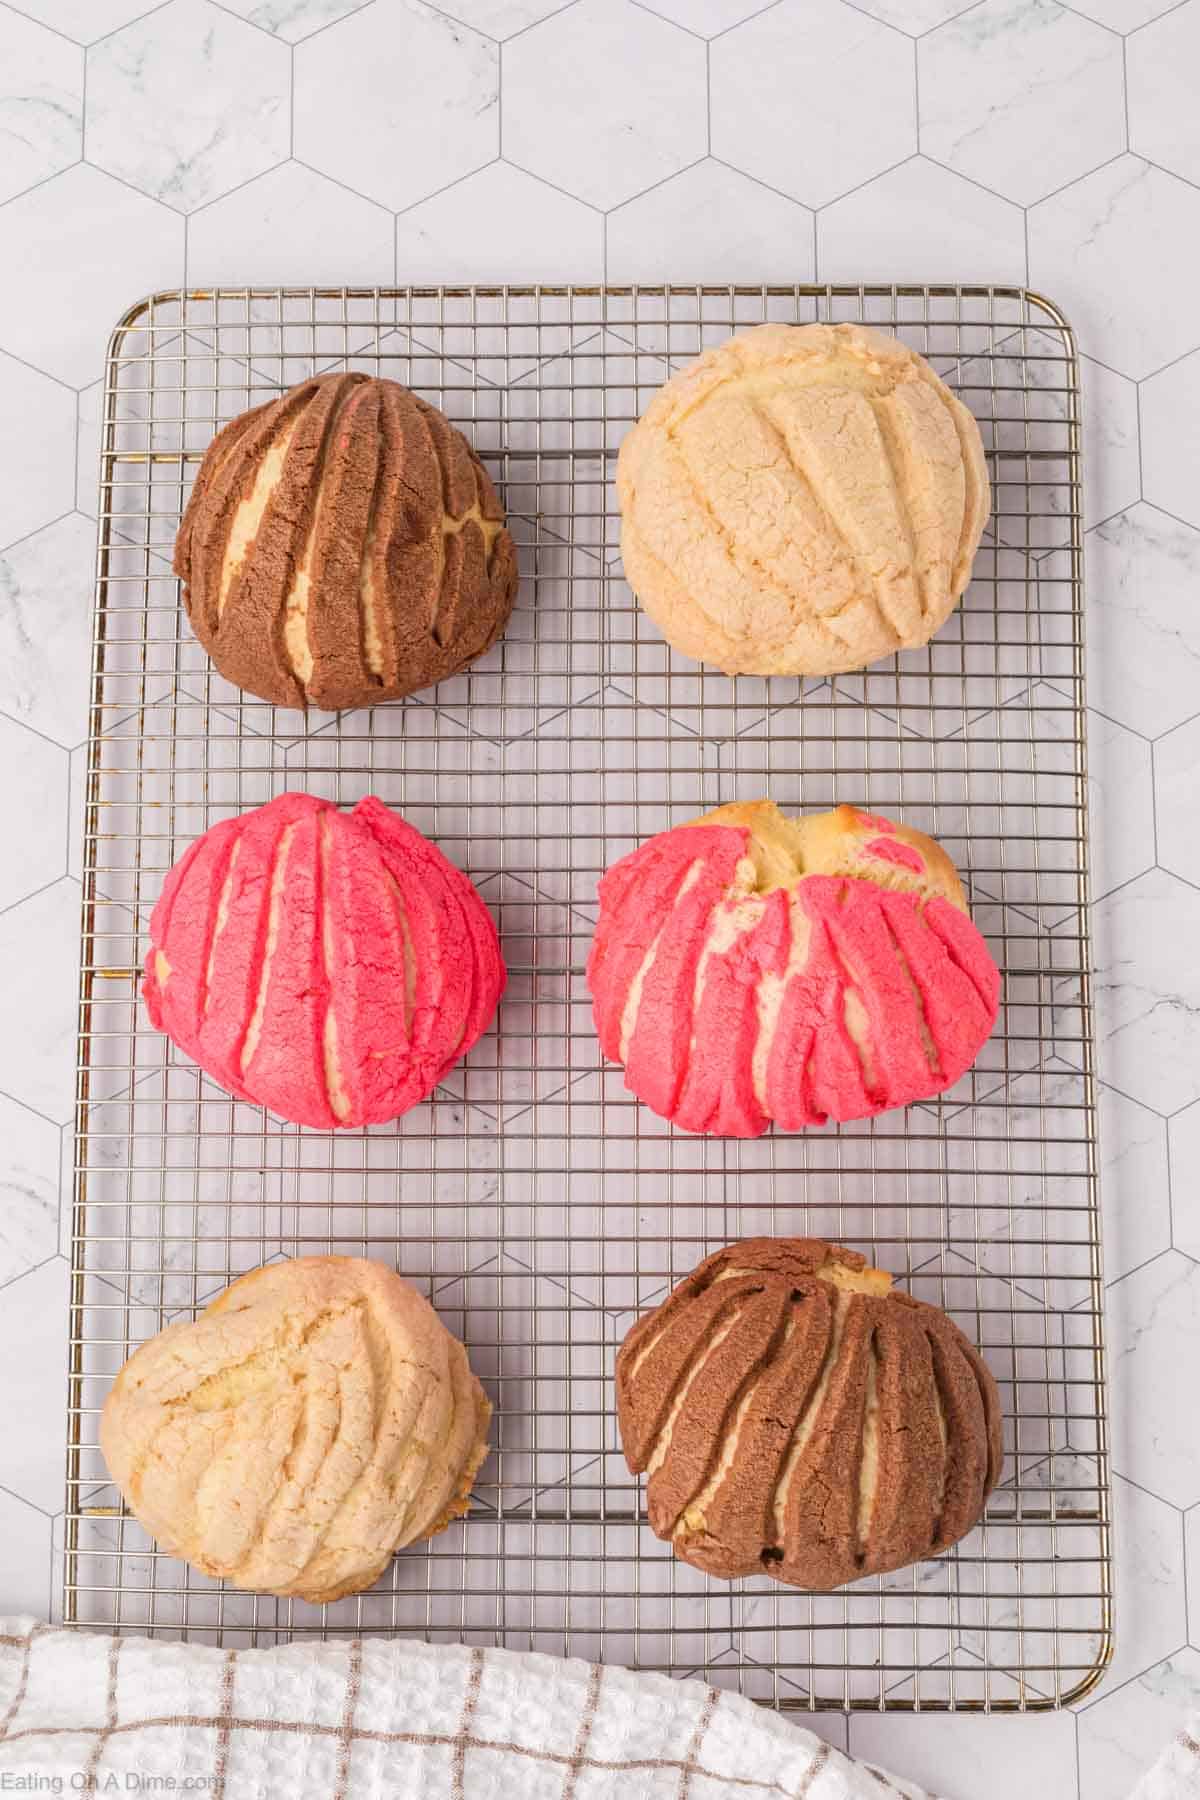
364,1720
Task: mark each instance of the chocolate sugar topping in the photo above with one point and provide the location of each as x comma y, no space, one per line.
343,545
799,1419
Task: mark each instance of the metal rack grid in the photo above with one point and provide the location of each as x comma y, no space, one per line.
533,1199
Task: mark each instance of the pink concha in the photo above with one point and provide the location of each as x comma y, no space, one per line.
750,969
329,966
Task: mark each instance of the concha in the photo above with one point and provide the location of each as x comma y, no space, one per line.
802,500
749,968
343,545
798,1417
315,1418
330,966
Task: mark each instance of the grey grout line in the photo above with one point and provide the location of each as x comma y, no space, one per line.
401,211
642,193
916,55
723,162
41,182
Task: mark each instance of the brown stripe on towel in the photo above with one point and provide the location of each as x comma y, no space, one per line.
690,1766
813,1770
17,1700
470,1700
224,1725
110,1718
587,1720
346,1734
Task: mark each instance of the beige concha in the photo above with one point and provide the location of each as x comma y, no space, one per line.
314,1419
802,500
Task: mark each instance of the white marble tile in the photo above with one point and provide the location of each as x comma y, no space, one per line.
41,104
915,16
76,810
129,246
35,794
1183,1138
1121,1735
33,1338
397,102
292,19
791,89
1135,1193
707,17
291,226
45,628
29,1177
973,1758
39,961
626,107
1143,625
1120,803
1123,15
1164,124
466,233
1147,990
1021,95
1176,762
502,18
1170,406
920,222
1103,245
187,103
1153,1318
25,1535
1191,1539
710,224
1111,471
1150,1608
89,411
84,20
37,437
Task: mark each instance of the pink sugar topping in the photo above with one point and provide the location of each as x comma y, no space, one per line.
893,850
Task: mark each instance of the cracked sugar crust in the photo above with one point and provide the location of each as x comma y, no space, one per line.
329,966
344,545
314,1419
750,969
802,500
798,1418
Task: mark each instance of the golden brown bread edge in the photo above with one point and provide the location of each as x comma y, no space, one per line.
785,848
798,1418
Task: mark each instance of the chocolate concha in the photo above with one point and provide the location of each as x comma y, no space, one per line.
344,545
800,1418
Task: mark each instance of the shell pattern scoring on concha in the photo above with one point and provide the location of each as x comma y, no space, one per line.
748,968
315,1418
329,966
343,545
797,1418
802,500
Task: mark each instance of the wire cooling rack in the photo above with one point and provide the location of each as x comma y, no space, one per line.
536,1203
